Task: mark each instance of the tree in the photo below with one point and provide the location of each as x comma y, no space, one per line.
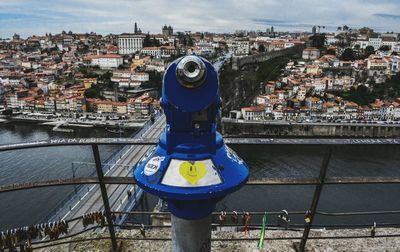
82,47
155,42
122,99
86,73
261,48
366,31
190,41
331,51
348,55
155,81
369,50
360,95
92,92
389,90
105,80
385,48
318,40
57,60
147,41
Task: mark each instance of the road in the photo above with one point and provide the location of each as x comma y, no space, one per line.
282,122
77,122
91,200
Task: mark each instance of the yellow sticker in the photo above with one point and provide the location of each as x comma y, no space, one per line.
193,172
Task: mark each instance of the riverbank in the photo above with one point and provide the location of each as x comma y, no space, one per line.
365,244
247,128
74,123
29,207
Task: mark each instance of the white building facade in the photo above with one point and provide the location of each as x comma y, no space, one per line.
107,61
130,43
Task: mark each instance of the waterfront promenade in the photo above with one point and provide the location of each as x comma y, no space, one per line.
73,122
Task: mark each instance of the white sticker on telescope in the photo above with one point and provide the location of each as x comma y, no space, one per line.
191,173
153,165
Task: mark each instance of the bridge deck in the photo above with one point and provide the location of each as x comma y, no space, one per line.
90,197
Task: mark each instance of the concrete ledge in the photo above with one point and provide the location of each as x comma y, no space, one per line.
362,244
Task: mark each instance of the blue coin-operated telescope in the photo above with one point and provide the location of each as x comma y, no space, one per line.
191,168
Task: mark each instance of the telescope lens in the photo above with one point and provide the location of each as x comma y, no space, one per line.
191,72
191,68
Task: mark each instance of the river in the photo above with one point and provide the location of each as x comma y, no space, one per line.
31,206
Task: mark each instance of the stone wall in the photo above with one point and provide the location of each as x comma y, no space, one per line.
238,62
260,129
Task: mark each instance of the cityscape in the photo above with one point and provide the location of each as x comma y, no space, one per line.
353,77
199,126
349,75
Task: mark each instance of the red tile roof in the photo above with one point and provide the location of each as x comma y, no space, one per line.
254,109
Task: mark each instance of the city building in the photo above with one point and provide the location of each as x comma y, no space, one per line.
140,77
239,46
105,61
159,52
130,43
253,113
376,42
311,53
167,31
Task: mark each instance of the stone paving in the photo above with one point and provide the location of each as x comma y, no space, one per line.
367,244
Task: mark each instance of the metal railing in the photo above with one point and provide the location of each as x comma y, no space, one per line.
312,211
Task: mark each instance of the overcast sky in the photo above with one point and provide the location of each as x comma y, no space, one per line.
117,16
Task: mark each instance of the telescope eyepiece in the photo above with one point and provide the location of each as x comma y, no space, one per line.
191,72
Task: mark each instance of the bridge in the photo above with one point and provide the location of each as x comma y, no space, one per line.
122,196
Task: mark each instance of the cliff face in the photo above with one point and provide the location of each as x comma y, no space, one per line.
238,88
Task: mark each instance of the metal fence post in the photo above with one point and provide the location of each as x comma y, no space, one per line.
317,194
73,175
104,195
